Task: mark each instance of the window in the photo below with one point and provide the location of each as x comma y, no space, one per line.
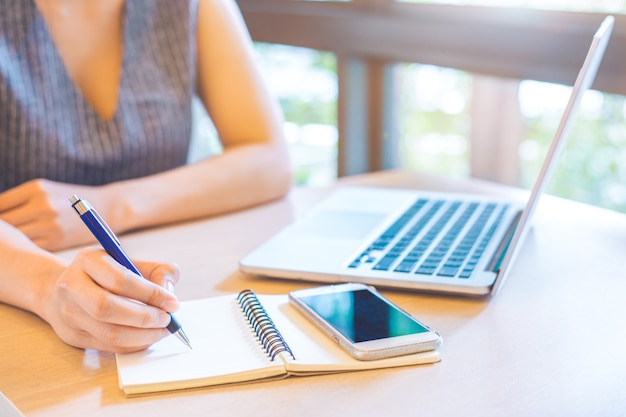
593,167
446,62
434,119
305,83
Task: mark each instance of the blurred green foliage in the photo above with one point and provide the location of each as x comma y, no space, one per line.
592,168
434,119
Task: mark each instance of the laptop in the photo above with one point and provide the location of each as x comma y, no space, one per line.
415,240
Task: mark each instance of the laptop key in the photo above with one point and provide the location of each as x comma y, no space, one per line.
447,271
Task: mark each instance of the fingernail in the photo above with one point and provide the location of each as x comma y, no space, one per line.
171,303
169,286
164,320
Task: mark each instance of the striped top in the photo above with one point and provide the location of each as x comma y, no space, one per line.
47,128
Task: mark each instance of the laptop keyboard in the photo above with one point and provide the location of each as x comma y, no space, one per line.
421,240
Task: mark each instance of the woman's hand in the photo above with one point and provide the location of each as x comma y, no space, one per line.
97,303
41,210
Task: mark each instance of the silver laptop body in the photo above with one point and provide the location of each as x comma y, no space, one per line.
410,239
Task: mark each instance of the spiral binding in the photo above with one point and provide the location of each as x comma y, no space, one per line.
263,326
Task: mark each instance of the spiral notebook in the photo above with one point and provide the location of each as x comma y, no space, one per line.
242,338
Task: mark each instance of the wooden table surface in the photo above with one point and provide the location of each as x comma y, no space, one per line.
551,343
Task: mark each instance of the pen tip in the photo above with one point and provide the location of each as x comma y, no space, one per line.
183,338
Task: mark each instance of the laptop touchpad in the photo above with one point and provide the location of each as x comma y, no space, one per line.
339,224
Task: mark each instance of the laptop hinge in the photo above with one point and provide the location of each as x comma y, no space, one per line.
498,256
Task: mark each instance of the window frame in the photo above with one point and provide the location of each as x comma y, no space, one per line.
505,42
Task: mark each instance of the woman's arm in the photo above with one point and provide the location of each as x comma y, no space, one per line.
254,167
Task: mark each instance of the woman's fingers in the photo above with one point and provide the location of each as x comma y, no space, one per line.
118,280
165,275
97,303
110,337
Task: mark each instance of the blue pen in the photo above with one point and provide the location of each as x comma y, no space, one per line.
111,245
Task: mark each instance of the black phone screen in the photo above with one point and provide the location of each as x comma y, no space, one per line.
361,316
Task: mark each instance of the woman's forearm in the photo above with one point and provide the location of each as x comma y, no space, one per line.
240,177
26,271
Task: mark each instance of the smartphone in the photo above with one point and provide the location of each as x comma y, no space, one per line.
363,322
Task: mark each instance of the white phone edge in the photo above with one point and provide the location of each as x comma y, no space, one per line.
370,350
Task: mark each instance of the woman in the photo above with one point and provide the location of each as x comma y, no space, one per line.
95,100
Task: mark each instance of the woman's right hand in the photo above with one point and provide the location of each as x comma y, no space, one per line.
97,303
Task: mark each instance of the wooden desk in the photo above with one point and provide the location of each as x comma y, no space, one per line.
552,342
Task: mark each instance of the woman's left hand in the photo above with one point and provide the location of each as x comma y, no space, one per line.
41,210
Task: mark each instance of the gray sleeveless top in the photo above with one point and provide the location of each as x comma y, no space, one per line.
47,128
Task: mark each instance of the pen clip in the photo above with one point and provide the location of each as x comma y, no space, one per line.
105,226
